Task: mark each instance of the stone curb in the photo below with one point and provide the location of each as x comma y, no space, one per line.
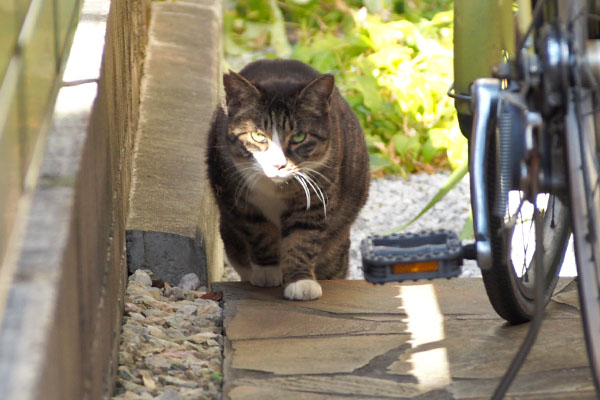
172,225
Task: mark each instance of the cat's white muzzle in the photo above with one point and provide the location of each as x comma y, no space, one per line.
278,176
274,163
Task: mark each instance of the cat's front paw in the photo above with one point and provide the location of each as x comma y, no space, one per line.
304,289
266,276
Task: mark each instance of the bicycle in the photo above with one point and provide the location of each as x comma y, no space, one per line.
530,107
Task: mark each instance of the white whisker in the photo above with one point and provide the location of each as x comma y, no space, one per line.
306,190
317,190
244,174
250,186
308,180
312,171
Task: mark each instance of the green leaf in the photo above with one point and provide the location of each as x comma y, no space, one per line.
367,86
378,6
458,148
444,18
438,137
429,151
257,10
379,161
405,145
279,39
390,57
231,47
216,377
452,181
467,231
325,61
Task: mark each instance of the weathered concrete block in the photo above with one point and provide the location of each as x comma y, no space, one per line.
172,224
168,255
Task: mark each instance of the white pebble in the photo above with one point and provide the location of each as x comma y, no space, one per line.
140,276
189,282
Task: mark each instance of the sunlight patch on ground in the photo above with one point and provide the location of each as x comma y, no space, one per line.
426,325
569,268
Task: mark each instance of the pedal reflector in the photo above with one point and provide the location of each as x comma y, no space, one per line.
415,268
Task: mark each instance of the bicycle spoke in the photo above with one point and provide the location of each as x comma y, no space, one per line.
595,17
582,13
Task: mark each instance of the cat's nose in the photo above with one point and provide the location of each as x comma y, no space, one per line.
281,166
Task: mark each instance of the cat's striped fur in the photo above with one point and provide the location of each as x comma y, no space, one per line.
289,170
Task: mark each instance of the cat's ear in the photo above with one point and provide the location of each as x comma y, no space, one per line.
238,91
317,93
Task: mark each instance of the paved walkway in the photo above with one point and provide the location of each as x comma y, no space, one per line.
433,340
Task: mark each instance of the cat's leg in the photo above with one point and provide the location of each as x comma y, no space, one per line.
308,254
332,263
253,250
299,250
263,243
236,249
252,246
266,275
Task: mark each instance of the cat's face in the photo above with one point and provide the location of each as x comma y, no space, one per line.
273,152
278,137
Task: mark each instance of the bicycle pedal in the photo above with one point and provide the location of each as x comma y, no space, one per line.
412,256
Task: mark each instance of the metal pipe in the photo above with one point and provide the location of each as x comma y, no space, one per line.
485,92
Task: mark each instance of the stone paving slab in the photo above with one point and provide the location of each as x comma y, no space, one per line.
431,340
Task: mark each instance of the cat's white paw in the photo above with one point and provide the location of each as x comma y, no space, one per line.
304,289
266,276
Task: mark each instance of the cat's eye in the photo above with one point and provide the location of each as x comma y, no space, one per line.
258,137
298,138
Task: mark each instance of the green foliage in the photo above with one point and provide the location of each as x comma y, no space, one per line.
467,231
216,377
393,67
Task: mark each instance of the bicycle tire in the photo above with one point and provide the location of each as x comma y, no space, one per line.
511,297
512,294
584,189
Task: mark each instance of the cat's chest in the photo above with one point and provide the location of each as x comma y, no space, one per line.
266,197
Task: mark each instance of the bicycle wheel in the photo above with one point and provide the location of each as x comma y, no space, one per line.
510,282
582,122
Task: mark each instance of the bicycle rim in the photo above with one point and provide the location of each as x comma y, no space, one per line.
585,230
584,187
511,280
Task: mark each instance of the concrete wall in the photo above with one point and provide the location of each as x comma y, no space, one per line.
66,265
34,41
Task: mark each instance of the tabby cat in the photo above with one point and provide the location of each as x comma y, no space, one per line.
289,170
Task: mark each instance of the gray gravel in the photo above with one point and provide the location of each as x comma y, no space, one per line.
171,344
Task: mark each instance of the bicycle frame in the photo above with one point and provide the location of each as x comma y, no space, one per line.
476,48
476,51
